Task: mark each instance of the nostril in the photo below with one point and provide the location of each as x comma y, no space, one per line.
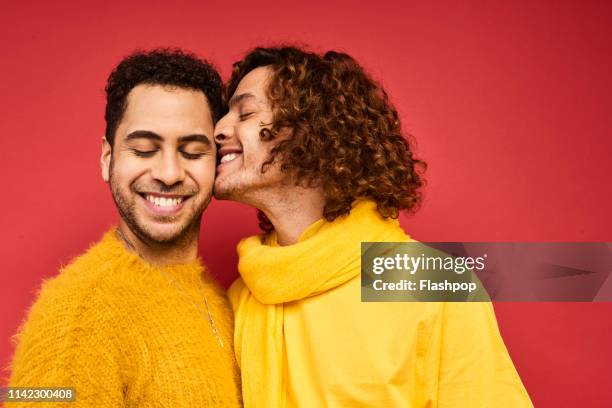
220,137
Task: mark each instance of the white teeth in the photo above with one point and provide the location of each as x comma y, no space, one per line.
229,157
163,201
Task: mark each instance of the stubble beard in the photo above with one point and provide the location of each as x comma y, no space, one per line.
127,211
240,188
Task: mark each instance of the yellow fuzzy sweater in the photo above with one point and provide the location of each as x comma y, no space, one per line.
122,334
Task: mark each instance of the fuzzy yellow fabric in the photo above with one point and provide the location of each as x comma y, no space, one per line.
304,339
117,330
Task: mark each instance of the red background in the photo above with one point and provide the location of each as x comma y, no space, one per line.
510,105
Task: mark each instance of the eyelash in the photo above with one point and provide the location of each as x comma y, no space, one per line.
192,156
150,153
245,116
141,153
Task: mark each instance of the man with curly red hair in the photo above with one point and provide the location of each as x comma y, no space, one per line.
315,145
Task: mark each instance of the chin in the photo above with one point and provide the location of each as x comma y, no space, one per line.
223,191
234,194
221,194
235,188
164,234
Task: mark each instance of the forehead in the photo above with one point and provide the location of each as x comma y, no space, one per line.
162,108
255,82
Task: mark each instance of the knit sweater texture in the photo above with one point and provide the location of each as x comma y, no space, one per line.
125,333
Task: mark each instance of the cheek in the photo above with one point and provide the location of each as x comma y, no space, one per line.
203,173
254,150
125,169
248,133
262,152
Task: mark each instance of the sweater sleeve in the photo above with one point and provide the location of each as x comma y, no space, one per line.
475,369
68,340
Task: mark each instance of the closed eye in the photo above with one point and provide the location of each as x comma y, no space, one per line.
245,116
192,156
143,153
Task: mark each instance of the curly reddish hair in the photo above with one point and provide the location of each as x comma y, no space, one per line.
346,136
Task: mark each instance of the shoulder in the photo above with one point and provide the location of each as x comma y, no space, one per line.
104,275
79,292
69,297
77,285
69,316
472,322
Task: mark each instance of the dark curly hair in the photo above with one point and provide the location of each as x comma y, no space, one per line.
161,66
345,133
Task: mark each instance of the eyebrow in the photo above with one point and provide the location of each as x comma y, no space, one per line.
147,134
195,138
239,98
143,134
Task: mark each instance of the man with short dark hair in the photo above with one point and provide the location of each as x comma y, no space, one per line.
137,320
316,146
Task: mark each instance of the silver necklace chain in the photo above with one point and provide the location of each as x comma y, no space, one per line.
208,315
179,287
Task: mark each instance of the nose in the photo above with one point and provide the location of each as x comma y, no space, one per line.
223,131
168,169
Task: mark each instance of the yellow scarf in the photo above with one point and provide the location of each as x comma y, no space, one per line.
327,255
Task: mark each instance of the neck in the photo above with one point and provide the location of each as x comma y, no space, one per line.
292,212
184,250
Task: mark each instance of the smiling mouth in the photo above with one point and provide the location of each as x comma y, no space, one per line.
164,202
229,157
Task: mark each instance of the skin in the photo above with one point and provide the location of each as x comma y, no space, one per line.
163,148
290,208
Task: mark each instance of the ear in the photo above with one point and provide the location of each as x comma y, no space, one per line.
105,159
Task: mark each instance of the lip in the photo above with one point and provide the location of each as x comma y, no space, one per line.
226,150
167,210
